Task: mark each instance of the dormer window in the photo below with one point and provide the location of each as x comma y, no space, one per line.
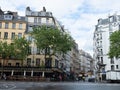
43,13
8,17
111,19
47,14
99,21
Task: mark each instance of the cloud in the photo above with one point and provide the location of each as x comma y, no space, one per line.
78,16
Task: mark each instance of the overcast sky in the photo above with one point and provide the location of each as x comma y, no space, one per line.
78,16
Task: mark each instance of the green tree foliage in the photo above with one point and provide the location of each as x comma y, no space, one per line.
52,38
0,48
18,49
21,46
6,49
114,45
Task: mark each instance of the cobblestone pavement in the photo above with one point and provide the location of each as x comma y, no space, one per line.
9,85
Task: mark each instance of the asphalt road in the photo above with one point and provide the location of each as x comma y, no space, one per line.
8,85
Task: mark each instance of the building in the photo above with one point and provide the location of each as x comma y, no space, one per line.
75,65
103,30
38,18
86,64
11,25
35,65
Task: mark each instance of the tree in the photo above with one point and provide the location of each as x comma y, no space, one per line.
21,46
6,50
114,45
52,39
0,48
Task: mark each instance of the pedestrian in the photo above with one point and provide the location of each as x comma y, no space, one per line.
4,76
60,77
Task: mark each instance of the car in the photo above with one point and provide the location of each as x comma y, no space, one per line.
91,79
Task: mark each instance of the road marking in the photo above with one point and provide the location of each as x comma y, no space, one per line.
6,86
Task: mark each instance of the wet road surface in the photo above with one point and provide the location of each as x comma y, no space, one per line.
7,85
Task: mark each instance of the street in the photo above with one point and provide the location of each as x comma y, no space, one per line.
9,85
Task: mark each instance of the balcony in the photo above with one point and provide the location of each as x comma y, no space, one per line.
99,46
99,54
100,63
40,24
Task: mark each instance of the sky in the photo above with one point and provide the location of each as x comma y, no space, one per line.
79,17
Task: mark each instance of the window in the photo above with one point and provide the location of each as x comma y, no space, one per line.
117,67
20,26
29,50
112,67
112,60
9,64
48,62
99,21
39,20
35,20
13,25
38,51
37,61
29,38
98,58
47,20
43,13
62,65
56,63
101,43
19,35
101,51
30,28
47,14
100,36
5,35
13,35
34,13
8,17
17,64
111,19
28,61
0,24
6,25
102,60
103,70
